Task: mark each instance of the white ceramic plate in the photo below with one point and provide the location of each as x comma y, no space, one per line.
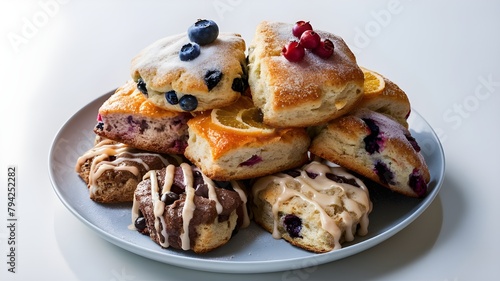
252,250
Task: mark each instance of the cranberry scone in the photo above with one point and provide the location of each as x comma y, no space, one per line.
232,143
305,91
377,147
129,117
181,208
112,170
197,70
316,207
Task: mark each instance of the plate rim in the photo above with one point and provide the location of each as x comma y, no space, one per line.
228,266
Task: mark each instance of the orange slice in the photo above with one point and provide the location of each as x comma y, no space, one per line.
374,82
247,120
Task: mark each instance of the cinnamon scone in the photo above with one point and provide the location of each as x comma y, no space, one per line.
377,147
112,170
129,117
181,208
232,143
316,207
180,75
308,92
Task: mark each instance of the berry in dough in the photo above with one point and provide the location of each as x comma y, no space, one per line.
316,207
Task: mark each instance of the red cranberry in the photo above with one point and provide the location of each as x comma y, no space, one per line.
310,39
324,49
294,51
300,27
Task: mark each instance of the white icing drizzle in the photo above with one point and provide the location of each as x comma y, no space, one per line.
189,205
246,218
348,197
102,151
212,195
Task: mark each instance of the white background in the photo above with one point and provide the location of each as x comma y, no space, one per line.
58,56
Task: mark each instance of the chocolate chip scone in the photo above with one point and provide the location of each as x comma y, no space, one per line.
181,75
179,207
316,207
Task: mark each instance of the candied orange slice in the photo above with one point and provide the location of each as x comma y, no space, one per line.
374,82
245,120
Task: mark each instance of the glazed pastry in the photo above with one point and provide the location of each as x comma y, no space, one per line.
316,207
387,98
128,117
180,75
377,147
308,92
232,143
179,207
112,170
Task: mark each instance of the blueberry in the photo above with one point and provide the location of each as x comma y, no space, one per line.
311,174
417,183
238,85
188,103
293,225
384,173
171,97
373,140
140,223
203,32
190,51
141,86
293,173
169,198
413,142
341,179
212,78
100,126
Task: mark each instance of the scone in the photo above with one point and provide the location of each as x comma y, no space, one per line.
305,93
112,170
384,96
211,76
377,147
316,207
232,143
179,207
128,117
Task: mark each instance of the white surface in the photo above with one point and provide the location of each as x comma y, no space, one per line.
443,54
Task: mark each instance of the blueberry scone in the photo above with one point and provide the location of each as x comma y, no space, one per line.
197,70
377,147
129,117
316,207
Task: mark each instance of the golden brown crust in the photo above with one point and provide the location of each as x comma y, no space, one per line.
280,87
391,101
127,99
219,151
159,66
342,141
